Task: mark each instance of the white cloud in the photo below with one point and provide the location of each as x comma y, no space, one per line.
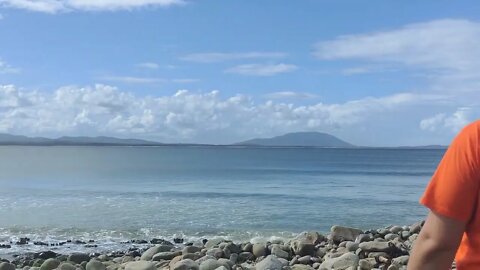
453,122
289,95
7,69
222,57
133,80
261,69
148,65
447,50
54,6
184,116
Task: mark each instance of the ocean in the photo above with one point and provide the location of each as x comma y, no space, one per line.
115,194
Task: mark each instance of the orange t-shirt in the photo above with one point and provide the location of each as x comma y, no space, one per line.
454,192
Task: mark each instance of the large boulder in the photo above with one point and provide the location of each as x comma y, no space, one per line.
310,237
279,252
140,265
148,255
50,264
271,262
344,262
339,233
303,248
78,258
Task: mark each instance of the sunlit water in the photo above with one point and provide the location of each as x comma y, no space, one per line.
113,194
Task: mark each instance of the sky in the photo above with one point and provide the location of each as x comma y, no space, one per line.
371,72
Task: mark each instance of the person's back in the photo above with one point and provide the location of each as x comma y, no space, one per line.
453,226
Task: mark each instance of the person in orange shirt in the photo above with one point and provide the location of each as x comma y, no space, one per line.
452,228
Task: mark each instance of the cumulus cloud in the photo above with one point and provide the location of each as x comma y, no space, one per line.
212,57
453,122
54,6
261,69
183,116
7,69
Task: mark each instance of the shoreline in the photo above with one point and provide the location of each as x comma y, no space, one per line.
383,248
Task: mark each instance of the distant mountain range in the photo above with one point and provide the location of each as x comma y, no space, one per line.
297,139
7,139
300,139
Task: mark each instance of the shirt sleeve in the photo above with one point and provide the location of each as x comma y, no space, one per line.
453,189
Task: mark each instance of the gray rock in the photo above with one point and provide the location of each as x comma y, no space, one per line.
67,266
310,237
259,250
103,258
351,246
222,268
140,265
50,264
301,267
305,259
271,262
78,258
225,262
214,242
363,238
344,262
402,260
190,249
375,246
148,255
303,248
168,255
186,264
279,252
6,266
396,229
391,236
393,267
245,256
339,233
367,264
416,228
95,265
215,252
210,264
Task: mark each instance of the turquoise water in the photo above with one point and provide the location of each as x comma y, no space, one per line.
113,194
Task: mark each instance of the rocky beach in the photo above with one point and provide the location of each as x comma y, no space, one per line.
344,248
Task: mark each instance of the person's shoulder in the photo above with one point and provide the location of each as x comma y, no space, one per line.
472,128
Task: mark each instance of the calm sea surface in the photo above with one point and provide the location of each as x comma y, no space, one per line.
112,194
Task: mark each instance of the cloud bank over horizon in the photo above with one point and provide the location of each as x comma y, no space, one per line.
204,117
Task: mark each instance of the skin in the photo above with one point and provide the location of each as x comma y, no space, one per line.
437,243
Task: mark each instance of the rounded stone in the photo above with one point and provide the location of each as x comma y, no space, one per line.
67,266
78,258
95,265
140,265
259,250
7,266
186,264
50,264
210,264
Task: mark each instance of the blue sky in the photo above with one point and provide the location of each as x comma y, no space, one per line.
370,72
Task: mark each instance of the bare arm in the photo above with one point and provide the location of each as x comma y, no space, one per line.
437,243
